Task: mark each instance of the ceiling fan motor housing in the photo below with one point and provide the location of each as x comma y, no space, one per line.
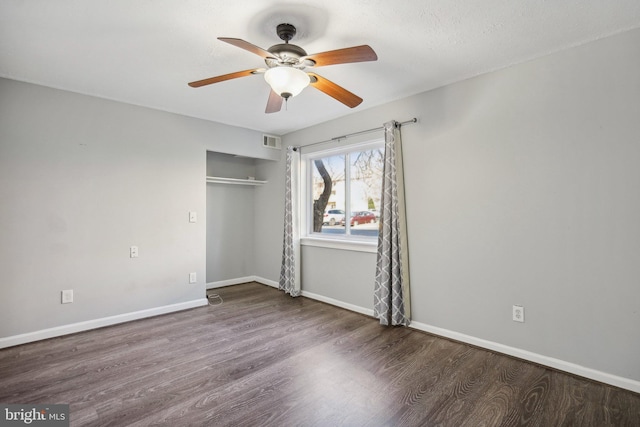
287,54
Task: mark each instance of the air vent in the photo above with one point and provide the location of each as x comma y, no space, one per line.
271,141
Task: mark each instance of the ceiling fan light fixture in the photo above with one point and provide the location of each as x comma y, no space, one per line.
287,81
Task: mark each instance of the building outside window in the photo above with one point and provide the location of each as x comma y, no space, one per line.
344,187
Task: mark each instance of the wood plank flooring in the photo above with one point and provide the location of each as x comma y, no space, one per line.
264,359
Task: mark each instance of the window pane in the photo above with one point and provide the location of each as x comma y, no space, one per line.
328,190
366,190
344,192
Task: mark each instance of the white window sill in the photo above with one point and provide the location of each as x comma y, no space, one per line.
370,246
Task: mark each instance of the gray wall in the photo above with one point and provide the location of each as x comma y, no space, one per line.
269,219
81,180
522,188
230,218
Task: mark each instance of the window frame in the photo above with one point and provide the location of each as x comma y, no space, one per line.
335,241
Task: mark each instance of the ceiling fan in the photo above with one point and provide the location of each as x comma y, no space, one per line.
285,64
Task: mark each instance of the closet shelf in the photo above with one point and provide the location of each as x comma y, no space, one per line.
234,181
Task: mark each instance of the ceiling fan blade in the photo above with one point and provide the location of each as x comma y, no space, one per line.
274,104
247,46
343,56
333,90
224,77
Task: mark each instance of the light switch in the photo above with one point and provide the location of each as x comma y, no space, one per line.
67,296
133,252
193,216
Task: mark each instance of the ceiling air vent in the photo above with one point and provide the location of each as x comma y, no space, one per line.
271,141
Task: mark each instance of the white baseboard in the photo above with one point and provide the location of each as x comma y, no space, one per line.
240,280
317,297
561,365
230,282
97,323
267,282
321,298
341,304
551,362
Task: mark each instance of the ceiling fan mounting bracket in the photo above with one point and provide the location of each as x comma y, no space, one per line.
286,32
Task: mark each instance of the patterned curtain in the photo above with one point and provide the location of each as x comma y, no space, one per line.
290,271
391,292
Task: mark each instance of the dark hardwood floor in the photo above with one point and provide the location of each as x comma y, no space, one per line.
264,359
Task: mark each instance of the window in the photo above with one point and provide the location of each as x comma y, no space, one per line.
343,189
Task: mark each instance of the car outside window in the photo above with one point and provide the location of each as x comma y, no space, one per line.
343,191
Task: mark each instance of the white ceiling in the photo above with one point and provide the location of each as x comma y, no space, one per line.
144,52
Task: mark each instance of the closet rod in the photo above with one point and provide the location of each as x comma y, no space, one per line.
337,138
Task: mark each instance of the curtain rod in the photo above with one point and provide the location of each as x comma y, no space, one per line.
337,138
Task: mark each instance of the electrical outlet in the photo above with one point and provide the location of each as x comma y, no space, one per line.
192,278
133,252
67,296
518,313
